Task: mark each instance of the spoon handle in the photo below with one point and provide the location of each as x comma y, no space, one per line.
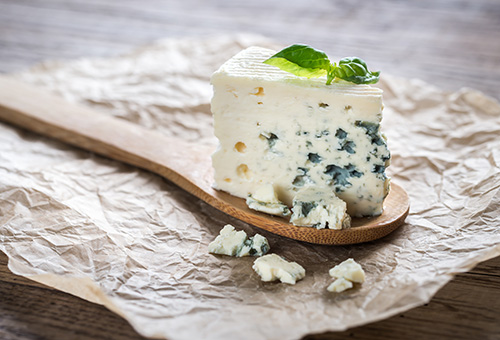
185,164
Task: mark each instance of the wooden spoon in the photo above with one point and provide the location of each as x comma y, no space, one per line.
186,164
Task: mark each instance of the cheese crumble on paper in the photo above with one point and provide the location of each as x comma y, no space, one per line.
273,267
236,243
345,274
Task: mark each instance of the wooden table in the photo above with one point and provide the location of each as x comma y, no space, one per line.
450,44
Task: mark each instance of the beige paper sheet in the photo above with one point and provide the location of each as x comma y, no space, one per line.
128,239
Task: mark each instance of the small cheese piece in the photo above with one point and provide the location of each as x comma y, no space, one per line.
339,285
256,245
264,199
272,267
275,127
236,243
320,208
349,270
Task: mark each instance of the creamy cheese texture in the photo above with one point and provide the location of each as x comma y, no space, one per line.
292,132
320,208
236,243
273,267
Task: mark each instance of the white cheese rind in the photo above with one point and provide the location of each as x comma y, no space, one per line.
236,243
274,127
272,267
319,208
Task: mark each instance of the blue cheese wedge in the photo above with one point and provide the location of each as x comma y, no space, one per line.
319,208
272,267
345,274
293,132
236,243
264,199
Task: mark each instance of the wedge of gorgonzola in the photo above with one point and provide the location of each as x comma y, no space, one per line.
272,267
236,243
293,132
320,208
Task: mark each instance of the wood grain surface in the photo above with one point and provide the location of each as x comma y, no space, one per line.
450,44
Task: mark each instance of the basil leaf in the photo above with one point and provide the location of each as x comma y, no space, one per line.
295,69
305,61
301,60
354,69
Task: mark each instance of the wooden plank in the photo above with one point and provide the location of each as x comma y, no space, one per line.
430,40
29,310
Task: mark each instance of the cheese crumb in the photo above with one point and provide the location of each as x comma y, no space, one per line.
320,208
264,199
349,270
339,285
236,243
345,274
273,267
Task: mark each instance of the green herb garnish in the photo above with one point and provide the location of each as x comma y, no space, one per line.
305,61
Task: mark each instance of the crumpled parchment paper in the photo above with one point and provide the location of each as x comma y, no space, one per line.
128,239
